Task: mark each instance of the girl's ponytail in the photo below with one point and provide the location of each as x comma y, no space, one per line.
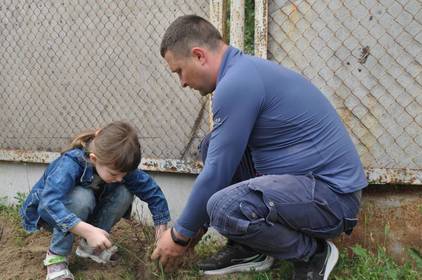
81,140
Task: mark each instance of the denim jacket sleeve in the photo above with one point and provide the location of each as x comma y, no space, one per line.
144,187
58,182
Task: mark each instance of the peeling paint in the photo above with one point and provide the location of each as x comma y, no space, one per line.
237,24
394,176
159,165
261,28
218,15
171,165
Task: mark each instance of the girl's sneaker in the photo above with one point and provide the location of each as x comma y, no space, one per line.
57,267
106,256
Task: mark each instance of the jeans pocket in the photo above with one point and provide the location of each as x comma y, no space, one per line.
313,218
245,224
325,232
252,212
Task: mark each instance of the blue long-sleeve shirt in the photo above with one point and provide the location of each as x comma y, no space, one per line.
289,125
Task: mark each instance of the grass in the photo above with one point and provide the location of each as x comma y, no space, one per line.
11,213
136,243
363,264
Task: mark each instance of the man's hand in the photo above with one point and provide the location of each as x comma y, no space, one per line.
159,229
168,253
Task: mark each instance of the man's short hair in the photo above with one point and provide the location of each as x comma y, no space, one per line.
187,31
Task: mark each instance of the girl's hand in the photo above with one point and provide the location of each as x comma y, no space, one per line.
96,237
159,231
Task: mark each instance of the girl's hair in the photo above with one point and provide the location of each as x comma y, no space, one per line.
116,146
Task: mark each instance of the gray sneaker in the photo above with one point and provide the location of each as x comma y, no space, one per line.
235,258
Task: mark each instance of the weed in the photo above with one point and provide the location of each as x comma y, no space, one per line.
417,257
11,213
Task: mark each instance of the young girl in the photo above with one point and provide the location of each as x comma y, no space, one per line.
86,191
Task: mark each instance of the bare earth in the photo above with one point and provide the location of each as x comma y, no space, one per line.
21,256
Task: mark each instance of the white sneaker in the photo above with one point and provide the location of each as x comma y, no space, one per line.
105,256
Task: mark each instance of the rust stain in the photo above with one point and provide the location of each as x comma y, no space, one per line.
364,55
345,114
293,16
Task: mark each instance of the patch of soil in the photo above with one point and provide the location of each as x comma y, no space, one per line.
22,255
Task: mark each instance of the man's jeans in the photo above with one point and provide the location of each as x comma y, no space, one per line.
281,215
102,209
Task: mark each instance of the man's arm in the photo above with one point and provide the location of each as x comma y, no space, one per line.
236,108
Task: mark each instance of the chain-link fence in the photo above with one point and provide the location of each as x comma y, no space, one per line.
366,56
67,66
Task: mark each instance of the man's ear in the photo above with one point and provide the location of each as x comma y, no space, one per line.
199,54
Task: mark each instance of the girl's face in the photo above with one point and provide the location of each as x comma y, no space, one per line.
106,174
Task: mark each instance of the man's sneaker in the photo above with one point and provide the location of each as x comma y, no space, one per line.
235,258
319,265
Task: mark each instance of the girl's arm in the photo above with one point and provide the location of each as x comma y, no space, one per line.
144,187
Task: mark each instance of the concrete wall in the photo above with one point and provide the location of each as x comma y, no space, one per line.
391,217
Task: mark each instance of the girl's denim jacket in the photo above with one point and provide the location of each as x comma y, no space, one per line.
72,169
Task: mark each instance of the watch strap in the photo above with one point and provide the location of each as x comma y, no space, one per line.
177,240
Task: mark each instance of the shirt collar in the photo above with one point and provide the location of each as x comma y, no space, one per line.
227,61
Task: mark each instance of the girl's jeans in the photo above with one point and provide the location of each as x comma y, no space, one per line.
280,215
102,209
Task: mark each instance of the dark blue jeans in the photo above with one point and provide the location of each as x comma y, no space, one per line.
281,215
102,209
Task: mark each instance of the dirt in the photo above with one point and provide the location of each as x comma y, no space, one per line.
391,218
22,255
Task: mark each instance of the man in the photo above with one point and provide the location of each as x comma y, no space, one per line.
307,174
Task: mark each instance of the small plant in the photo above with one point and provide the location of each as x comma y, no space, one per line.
417,257
11,212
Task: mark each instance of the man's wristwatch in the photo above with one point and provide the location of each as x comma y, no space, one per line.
178,241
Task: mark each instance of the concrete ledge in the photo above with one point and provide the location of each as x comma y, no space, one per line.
375,175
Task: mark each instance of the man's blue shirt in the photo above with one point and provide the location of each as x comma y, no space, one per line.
289,125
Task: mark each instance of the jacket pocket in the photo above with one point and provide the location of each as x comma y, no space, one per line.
29,212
